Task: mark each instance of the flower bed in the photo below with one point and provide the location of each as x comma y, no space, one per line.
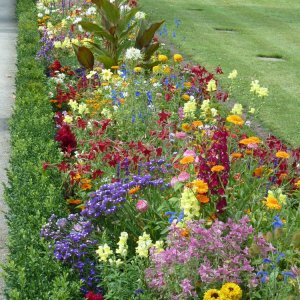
166,195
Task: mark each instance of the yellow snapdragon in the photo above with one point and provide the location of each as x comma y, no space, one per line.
143,245
104,252
123,247
211,86
189,203
189,108
237,109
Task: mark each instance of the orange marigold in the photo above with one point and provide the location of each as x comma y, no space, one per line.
197,124
201,186
85,184
134,190
250,140
258,171
186,127
235,119
217,168
297,184
236,155
185,232
74,201
282,154
202,198
187,160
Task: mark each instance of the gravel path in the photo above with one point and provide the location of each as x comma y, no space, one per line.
8,33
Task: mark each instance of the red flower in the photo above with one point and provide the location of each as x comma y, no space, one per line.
92,296
66,139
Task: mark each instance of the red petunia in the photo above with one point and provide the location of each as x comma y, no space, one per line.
66,139
92,296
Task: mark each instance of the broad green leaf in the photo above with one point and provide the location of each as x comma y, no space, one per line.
125,20
112,12
107,61
98,3
145,38
150,50
98,49
84,56
97,30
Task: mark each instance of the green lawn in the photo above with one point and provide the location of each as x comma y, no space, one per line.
261,27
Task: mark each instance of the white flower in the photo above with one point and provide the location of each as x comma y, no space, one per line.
233,74
133,54
91,74
248,123
40,15
140,15
77,20
124,8
91,11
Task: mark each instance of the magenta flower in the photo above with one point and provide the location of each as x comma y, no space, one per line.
142,206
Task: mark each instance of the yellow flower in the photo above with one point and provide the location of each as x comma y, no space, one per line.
282,154
235,119
167,70
231,291
187,85
137,69
233,74
162,58
186,127
201,186
297,184
272,203
115,67
185,97
237,109
189,203
197,124
236,155
262,92
217,168
156,69
211,86
178,58
187,160
213,294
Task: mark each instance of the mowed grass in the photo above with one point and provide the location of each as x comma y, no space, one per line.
254,28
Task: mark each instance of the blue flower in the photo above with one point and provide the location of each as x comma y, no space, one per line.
286,275
263,275
278,223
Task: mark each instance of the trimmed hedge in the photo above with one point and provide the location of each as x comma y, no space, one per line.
32,195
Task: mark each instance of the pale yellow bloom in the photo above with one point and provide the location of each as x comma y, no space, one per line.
233,74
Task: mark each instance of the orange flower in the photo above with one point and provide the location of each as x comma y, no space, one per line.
185,232
134,190
85,184
115,67
235,119
236,155
217,168
283,176
187,160
122,100
250,140
186,127
272,203
297,184
201,186
74,201
202,198
258,171
197,124
282,154
185,97
76,177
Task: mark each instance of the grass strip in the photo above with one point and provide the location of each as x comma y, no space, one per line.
32,272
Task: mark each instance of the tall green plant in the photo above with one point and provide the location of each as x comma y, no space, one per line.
114,27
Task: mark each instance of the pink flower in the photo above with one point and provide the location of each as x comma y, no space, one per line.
180,135
174,180
183,176
189,153
180,113
142,206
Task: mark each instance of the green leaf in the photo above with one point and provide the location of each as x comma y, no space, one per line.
98,49
97,30
98,3
144,38
84,56
107,61
150,50
112,12
125,20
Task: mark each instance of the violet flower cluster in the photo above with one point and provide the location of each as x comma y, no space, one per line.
111,197
72,245
213,255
